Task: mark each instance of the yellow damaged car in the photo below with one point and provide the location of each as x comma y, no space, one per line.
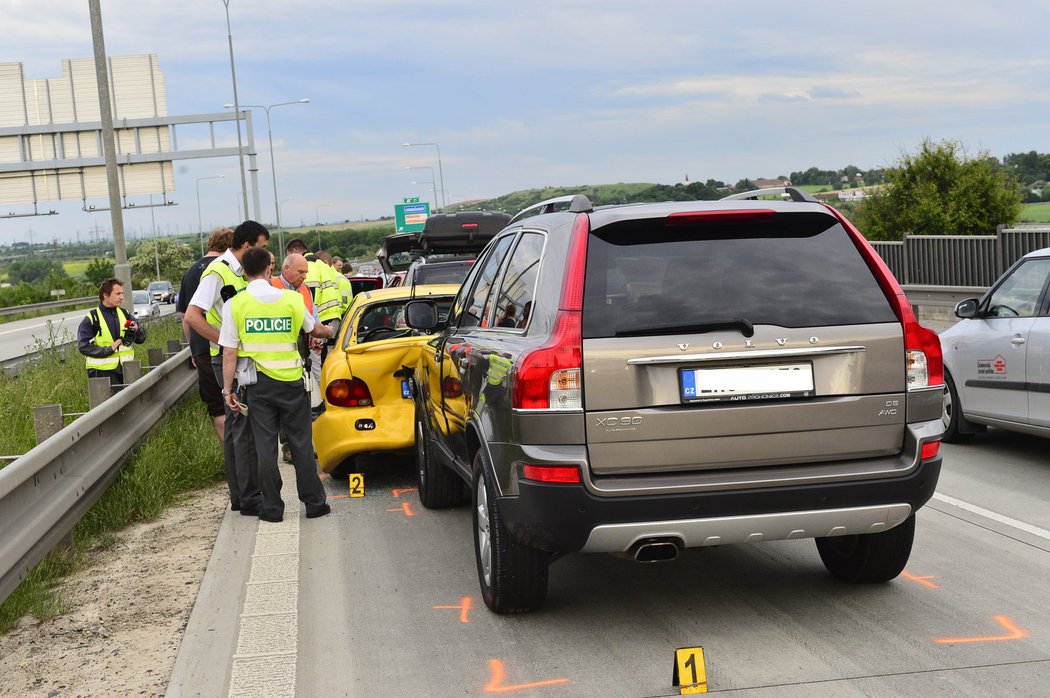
365,381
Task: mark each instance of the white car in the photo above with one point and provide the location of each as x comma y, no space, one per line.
145,307
997,358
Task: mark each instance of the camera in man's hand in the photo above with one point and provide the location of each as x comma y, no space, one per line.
127,338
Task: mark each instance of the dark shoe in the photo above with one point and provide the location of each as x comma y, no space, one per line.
250,511
323,510
235,507
270,518
286,453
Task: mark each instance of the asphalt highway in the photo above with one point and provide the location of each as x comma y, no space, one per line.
20,337
381,598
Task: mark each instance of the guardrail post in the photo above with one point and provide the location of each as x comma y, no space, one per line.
174,347
47,421
99,391
132,371
155,356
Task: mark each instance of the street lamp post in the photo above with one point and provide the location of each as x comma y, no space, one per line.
433,182
273,168
237,109
200,225
441,172
317,218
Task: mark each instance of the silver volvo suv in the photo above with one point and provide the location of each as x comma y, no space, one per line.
646,378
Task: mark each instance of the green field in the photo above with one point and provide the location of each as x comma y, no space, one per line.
1036,213
76,269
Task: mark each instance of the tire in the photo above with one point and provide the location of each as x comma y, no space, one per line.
869,557
951,415
513,577
438,486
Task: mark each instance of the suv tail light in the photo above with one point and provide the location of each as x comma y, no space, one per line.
348,393
549,377
552,473
922,347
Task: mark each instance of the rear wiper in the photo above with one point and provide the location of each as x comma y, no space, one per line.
745,327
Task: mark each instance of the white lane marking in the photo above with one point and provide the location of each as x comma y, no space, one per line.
42,324
1014,523
264,661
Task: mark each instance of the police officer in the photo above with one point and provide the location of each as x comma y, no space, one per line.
320,279
221,281
106,334
262,325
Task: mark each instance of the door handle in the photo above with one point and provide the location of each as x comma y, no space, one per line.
1017,341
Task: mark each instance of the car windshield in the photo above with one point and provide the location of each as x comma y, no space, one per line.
383,320
159,286
441,272
140,297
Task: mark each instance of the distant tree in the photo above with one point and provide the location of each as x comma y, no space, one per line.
940,191
34,269
98,270
745,185
175,258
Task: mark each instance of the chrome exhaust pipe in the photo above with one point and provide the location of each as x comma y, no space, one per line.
657,550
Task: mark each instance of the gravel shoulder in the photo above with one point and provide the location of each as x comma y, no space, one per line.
128,609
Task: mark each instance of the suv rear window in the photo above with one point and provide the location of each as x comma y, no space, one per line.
797,270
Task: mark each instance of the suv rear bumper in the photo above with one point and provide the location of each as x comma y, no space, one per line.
568,518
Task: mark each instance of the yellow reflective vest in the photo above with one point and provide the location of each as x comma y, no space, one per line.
105,338
229,278
320,279
268,331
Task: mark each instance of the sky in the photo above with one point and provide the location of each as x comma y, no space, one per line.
537,93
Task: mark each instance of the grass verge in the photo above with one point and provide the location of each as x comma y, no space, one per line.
179,456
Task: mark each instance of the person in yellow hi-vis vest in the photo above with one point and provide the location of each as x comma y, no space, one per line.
320,279
221,281
106,334
258,337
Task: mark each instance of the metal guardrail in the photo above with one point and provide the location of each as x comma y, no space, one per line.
46,491
941,296
49,305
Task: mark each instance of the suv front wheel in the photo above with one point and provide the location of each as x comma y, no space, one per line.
513,577
868,557
439,487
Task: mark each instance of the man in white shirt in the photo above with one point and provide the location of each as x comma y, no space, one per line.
221,281
260,328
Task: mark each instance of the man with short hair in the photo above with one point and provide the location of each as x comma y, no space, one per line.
106,334
200,348
221,281
262,325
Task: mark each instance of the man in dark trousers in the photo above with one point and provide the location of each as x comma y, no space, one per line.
259,332
200,348
106,334
221,281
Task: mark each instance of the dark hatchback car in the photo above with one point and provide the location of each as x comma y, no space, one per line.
645,378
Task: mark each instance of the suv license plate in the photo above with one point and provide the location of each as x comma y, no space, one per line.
744,383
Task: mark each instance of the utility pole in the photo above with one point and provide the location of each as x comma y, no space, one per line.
122,270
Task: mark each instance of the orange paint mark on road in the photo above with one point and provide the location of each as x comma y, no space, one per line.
399,492
464,609
1013,633
338,496
495,684
921,580
406,508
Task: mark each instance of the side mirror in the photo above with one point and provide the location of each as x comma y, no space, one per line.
422,315
966,309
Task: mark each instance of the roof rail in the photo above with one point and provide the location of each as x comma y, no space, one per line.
577,203
795,193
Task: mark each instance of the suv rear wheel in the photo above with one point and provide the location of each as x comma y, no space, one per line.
513,577
869,557
439,487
